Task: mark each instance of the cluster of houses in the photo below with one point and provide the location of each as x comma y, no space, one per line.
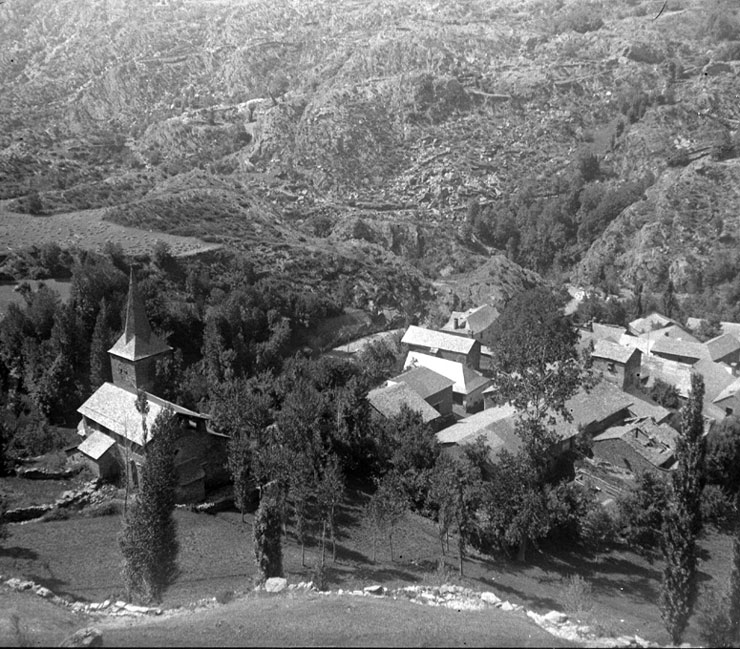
446,381
443,380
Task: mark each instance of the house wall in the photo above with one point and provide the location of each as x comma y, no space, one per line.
441,401
472,359
612,371
731,358
621,454
193,492
473,402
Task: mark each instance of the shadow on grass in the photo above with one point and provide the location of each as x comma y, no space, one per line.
17,552
381,573
542,602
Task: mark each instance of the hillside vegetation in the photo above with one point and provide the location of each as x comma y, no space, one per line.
595,138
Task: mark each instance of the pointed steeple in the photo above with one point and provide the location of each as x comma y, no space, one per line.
138,340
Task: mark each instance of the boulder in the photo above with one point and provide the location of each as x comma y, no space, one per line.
507,606
41,591
490,598
276,584
19,584
556,617
374,590
88,637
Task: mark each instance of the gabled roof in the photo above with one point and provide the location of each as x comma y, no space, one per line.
673,331
655,442
722,346
729,391
423,381
481,318
645,345
496,424
389,400
138,340
114,408
438,340
671,372
642,407
677,347
613,351
607,331
465,379
717,376
96,445
602,401
650,322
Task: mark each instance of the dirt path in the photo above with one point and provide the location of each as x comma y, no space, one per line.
87,229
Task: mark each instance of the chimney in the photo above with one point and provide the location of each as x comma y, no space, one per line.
456,323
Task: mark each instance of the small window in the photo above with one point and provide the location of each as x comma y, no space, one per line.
610,366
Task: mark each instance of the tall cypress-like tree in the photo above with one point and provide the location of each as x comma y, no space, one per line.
689,477
682,522
734,594
102,339
268,547
148,540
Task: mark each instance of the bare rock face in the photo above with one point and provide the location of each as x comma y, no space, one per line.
88,637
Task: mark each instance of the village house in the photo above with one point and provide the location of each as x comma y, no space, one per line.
475,323
443,345
468,385
638,446
732,328
115,433
620,365
679,350
592,411
725,348
649,323
717,378
388,401
434,388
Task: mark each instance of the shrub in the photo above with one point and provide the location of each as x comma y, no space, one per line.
582,18
56,514
109,508
716,506
715,625
597,528
225,596
577,597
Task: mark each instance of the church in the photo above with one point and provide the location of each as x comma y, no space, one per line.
115,436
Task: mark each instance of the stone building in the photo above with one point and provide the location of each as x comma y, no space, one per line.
116,434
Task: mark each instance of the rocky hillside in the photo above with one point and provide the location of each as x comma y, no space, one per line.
427,132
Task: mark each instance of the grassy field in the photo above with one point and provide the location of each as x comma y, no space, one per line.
312,619
87,229
80,557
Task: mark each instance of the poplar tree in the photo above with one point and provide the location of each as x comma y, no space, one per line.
267,542
100,371
682,522
148,540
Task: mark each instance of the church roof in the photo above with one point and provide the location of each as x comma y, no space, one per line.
114,408
138,340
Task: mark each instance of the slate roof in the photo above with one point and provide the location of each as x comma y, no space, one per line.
482,318
649,323
645,345
465,379
673,331
138,340
494,423
722,346
641,407
423,381
114,408
586,408
438,340
607,331
96,445
613,351
355,346
676,347
389,400
717,376
655,442
728,391
672,372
